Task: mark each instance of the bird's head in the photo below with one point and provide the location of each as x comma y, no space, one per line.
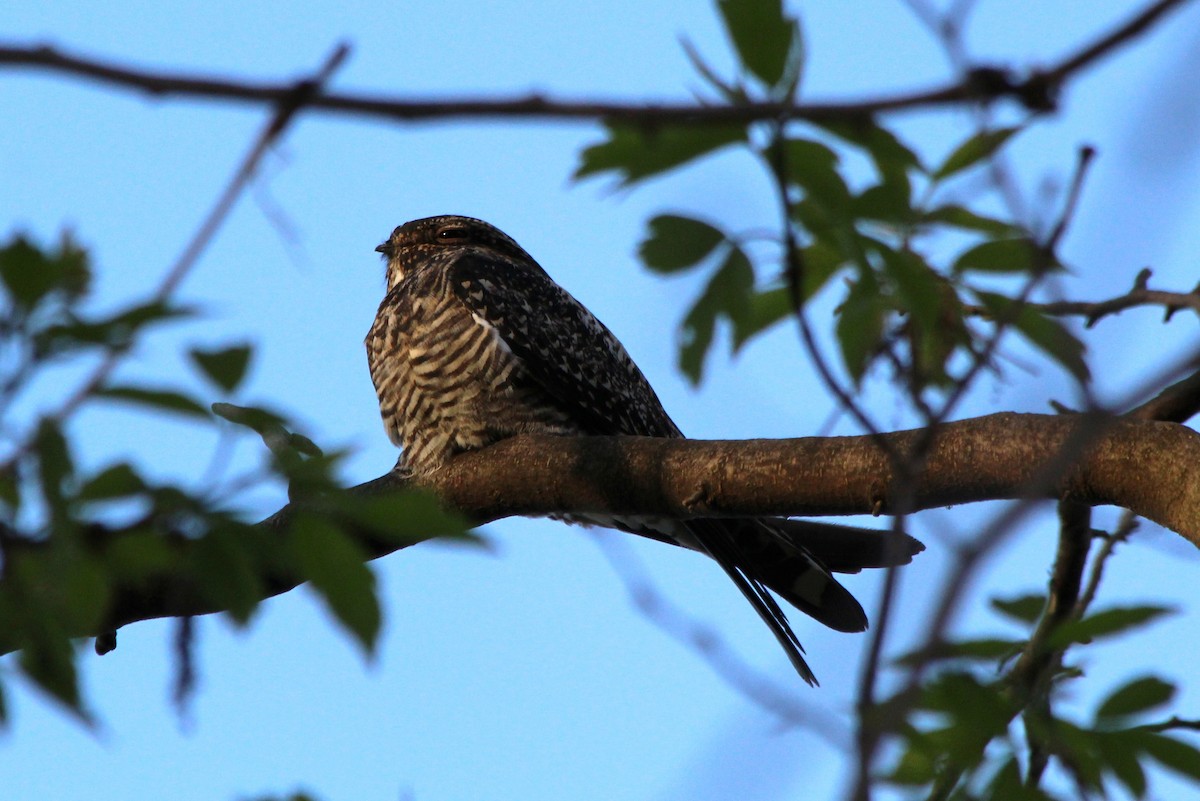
419,243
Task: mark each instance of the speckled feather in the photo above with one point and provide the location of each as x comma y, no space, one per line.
474,342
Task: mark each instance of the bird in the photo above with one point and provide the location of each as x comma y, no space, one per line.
474,342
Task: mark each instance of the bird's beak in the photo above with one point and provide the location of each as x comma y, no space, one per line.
385,248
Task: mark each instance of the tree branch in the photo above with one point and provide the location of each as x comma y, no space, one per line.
1037,91
1148,467
1094,311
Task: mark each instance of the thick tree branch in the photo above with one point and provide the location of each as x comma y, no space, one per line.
1038,90
1148,467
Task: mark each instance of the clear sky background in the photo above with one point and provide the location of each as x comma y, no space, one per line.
524,671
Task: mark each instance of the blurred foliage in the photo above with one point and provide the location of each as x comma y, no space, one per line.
925,284
78,545
903,305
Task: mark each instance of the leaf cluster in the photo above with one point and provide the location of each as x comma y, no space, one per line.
901,305
83,548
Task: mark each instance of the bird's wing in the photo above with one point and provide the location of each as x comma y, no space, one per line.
578,363
562,347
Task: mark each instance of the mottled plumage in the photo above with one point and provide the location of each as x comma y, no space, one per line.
474,343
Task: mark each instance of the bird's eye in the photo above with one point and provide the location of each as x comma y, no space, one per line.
451,233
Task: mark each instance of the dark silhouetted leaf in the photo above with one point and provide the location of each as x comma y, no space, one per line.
967,220
118,481
1023,608
226,367
860,325
1056,340
981,650
1119,755
977,148
1108,623
765,310
813,167
1134,698
224,564
1177,755
889,201
167,400
114,331
674,243
30,273
337,568
727,295
268,425
406,517
48,658
636,154
1002,256
883,146
1049,335
762,35
55,465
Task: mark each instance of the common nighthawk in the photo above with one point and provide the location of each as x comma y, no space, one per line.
474,343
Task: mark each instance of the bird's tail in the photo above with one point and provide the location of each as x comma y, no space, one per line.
760,558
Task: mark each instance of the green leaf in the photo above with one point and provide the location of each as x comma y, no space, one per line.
1018,255
888,202
337,568
1048,335
967,220
820,261
1007,785
674,243
727,295
256,418
405,517
1119,754
1056,340
85,593
860,325
55,465
268,425
979,650
918,287
225,567
114,331
30,273
167,400
1023,608
10,491
637,153
1179,756
137,554
764,38
50,661
1134,698
1106,624
117,481
765,309
971,152
303,445
226,367
813,167
883,146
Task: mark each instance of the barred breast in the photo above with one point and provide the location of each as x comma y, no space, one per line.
446,381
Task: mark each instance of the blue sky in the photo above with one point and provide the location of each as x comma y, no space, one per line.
523,671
